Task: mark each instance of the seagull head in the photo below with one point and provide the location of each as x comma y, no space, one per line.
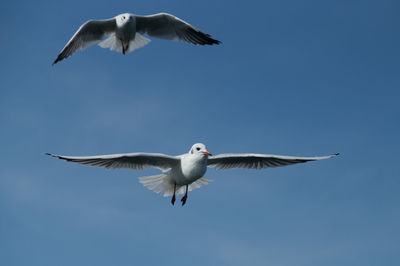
123,19
199,149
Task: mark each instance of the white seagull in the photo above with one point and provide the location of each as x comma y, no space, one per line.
185,172
125,33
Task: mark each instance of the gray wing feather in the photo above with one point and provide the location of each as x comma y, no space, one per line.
167,26
89,33
137,161
258,161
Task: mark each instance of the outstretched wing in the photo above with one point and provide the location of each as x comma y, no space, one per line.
137,161
167,26
258,161
88,34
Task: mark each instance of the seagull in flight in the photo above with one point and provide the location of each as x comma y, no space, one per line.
125,33
185,172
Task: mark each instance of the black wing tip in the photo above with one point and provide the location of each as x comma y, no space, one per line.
215,42
201,38
210,41
54,155
336,154
58,59
61,56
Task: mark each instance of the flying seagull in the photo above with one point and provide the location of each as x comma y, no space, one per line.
125,33
185,172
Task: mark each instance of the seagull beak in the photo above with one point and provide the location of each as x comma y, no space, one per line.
207,153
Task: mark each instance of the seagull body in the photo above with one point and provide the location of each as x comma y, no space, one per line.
125,33
185,172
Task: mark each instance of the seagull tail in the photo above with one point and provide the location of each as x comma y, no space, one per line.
158,183
161,184
137,43
114,44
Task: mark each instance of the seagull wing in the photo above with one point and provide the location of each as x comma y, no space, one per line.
137,161
257,161
167,26
88,34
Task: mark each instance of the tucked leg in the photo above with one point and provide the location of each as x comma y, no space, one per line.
173,196
184,198
123,47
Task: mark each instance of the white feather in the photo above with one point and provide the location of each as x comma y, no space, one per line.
138,42
112,43
115,45
161,185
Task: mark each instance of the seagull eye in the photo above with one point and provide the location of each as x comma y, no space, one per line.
198,148
123,17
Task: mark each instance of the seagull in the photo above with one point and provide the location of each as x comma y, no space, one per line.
185,172
125,33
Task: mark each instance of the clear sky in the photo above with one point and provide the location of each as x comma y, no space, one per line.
291,77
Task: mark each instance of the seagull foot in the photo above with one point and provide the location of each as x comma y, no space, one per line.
173,200
123,47
184,198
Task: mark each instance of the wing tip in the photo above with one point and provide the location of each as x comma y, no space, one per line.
58,59
55,156
216,42
212,41
52,155
330,156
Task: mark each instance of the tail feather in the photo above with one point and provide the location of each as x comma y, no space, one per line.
161,185
157,183
138,42
199,183
114,44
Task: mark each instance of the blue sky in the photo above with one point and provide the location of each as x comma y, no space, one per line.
291,77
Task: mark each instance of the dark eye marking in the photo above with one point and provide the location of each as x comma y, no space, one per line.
198,148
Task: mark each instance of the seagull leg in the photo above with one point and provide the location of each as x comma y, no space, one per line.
173,197
123,47
184,198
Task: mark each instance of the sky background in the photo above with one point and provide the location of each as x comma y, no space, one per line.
302,78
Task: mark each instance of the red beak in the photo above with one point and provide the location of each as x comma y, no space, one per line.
207,153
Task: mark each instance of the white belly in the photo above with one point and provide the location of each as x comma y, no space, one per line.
189,171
